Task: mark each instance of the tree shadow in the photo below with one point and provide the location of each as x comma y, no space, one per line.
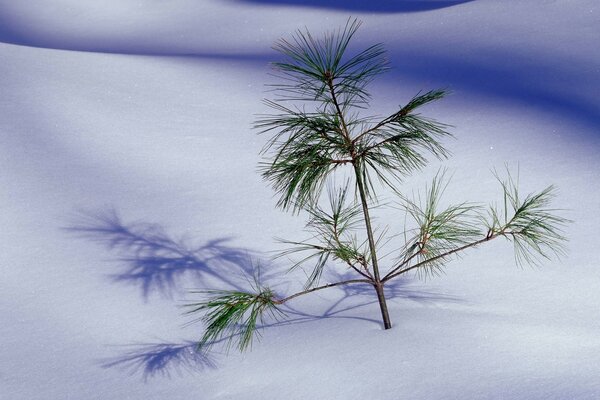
157,263
167,359
162,359
378,6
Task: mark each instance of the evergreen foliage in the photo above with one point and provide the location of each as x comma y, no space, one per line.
317,129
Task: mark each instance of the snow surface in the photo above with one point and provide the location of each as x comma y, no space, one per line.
129,177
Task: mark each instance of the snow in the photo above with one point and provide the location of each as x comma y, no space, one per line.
131,120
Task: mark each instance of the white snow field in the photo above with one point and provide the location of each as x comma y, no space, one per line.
129,176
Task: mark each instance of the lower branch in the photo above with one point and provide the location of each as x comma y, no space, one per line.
329,285
236,314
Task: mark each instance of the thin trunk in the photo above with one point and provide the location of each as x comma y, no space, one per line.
378,285
385,316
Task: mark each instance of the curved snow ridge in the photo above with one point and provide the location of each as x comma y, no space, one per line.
132,50
107,43
177,27
174,28
120,45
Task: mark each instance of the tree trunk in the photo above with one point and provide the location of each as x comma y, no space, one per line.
385,316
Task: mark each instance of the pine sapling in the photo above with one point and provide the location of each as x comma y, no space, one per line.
318,133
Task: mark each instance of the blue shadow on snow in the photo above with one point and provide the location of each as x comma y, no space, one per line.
162,359
376,6
156,262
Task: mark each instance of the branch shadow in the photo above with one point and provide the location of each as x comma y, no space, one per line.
162,359
167,359
156,262
378,6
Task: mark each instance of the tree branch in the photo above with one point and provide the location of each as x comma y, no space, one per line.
379,125
345,132
329,285
336,236
387,140
329,250
406,260
340,161
393,274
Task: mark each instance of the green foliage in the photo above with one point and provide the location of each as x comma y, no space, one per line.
306,152
439,231
318,133
313,65
310,145
233,314
396,146
331,236
534,228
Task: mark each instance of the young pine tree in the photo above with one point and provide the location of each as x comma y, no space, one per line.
317,133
